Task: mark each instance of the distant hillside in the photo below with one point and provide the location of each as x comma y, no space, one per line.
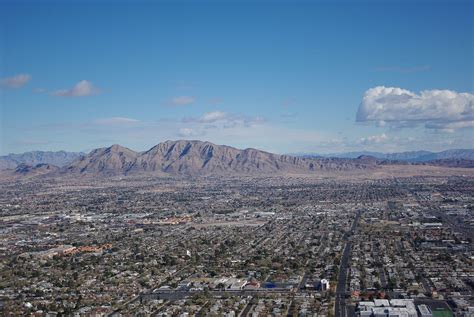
412,156
452,163
60,159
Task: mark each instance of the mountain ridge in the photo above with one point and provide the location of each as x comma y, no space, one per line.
201,158
194,157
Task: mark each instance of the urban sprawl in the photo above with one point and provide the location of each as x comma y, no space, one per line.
238,246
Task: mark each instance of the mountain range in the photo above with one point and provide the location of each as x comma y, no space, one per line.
196,158
59,159
184,157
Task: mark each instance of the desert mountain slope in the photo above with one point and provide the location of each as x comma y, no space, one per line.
201,158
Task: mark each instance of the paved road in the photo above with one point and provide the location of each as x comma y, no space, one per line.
341,289
383,277
426,284
453,223
340,307
303,281
247,308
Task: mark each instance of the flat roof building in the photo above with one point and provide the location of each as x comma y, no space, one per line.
425,311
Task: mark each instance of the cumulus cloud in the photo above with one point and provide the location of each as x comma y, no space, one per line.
116,121
374,139
81,89
435,109
182,100
16,81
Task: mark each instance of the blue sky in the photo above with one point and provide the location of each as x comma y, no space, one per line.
284,76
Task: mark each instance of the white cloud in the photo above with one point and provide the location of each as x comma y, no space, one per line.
224,120
81,89
182,100
187,132
451,126
213,116
116,121
16,81
374,139
436,109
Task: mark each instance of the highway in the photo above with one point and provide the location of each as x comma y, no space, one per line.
340,308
